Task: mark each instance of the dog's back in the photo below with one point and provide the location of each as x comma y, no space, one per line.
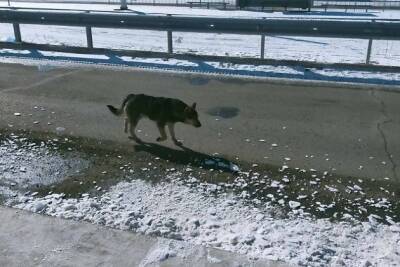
160,109
164,111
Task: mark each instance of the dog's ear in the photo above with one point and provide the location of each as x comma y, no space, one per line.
194,105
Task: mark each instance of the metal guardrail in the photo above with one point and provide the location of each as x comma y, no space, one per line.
356,4
360,29
233,4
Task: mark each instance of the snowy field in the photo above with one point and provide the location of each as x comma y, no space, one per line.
326,50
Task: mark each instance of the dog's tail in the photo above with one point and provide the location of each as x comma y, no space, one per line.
118,112
115,111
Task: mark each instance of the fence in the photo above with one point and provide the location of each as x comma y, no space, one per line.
358,4
342,4
355,29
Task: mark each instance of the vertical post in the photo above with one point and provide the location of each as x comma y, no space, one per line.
89,37
17,33
124,5
169,36
367,61
262,46
169,39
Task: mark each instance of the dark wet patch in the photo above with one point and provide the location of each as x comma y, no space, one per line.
223,112
198,81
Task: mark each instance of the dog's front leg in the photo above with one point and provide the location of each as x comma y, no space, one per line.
172,133
161,128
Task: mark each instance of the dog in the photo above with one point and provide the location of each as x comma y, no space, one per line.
164,111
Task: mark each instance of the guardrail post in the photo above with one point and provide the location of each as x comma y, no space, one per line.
17,33
124,5
169,39
262,46
169,35
89,37
367,61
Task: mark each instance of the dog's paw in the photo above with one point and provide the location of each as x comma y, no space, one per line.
160,139
176,142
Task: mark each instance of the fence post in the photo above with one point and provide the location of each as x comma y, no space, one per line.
89,37
169,35
169,39
124,5
17,33
262,46
367,61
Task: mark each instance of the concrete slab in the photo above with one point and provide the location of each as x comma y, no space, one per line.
34,240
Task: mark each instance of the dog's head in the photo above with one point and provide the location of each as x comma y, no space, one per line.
191,116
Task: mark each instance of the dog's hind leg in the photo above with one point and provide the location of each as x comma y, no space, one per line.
161,128
172,133
132,126
126,125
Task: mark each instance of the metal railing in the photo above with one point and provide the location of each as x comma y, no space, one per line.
357,4
233,4
353,29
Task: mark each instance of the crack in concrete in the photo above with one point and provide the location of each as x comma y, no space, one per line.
379,127
38,83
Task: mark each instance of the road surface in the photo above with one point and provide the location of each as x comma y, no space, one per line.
350,130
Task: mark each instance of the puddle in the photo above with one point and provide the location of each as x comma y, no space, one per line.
199,81
223,112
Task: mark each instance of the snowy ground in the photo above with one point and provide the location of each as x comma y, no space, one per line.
277,47
231,214
227,222
47,60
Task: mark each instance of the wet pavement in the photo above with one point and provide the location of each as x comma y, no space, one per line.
344,129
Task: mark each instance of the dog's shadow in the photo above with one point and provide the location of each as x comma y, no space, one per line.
187,156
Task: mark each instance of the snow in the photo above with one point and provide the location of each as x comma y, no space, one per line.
173,62
324,50
226,221
327,50
73,55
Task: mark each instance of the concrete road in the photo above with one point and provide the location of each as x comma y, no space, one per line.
353,131
33,240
